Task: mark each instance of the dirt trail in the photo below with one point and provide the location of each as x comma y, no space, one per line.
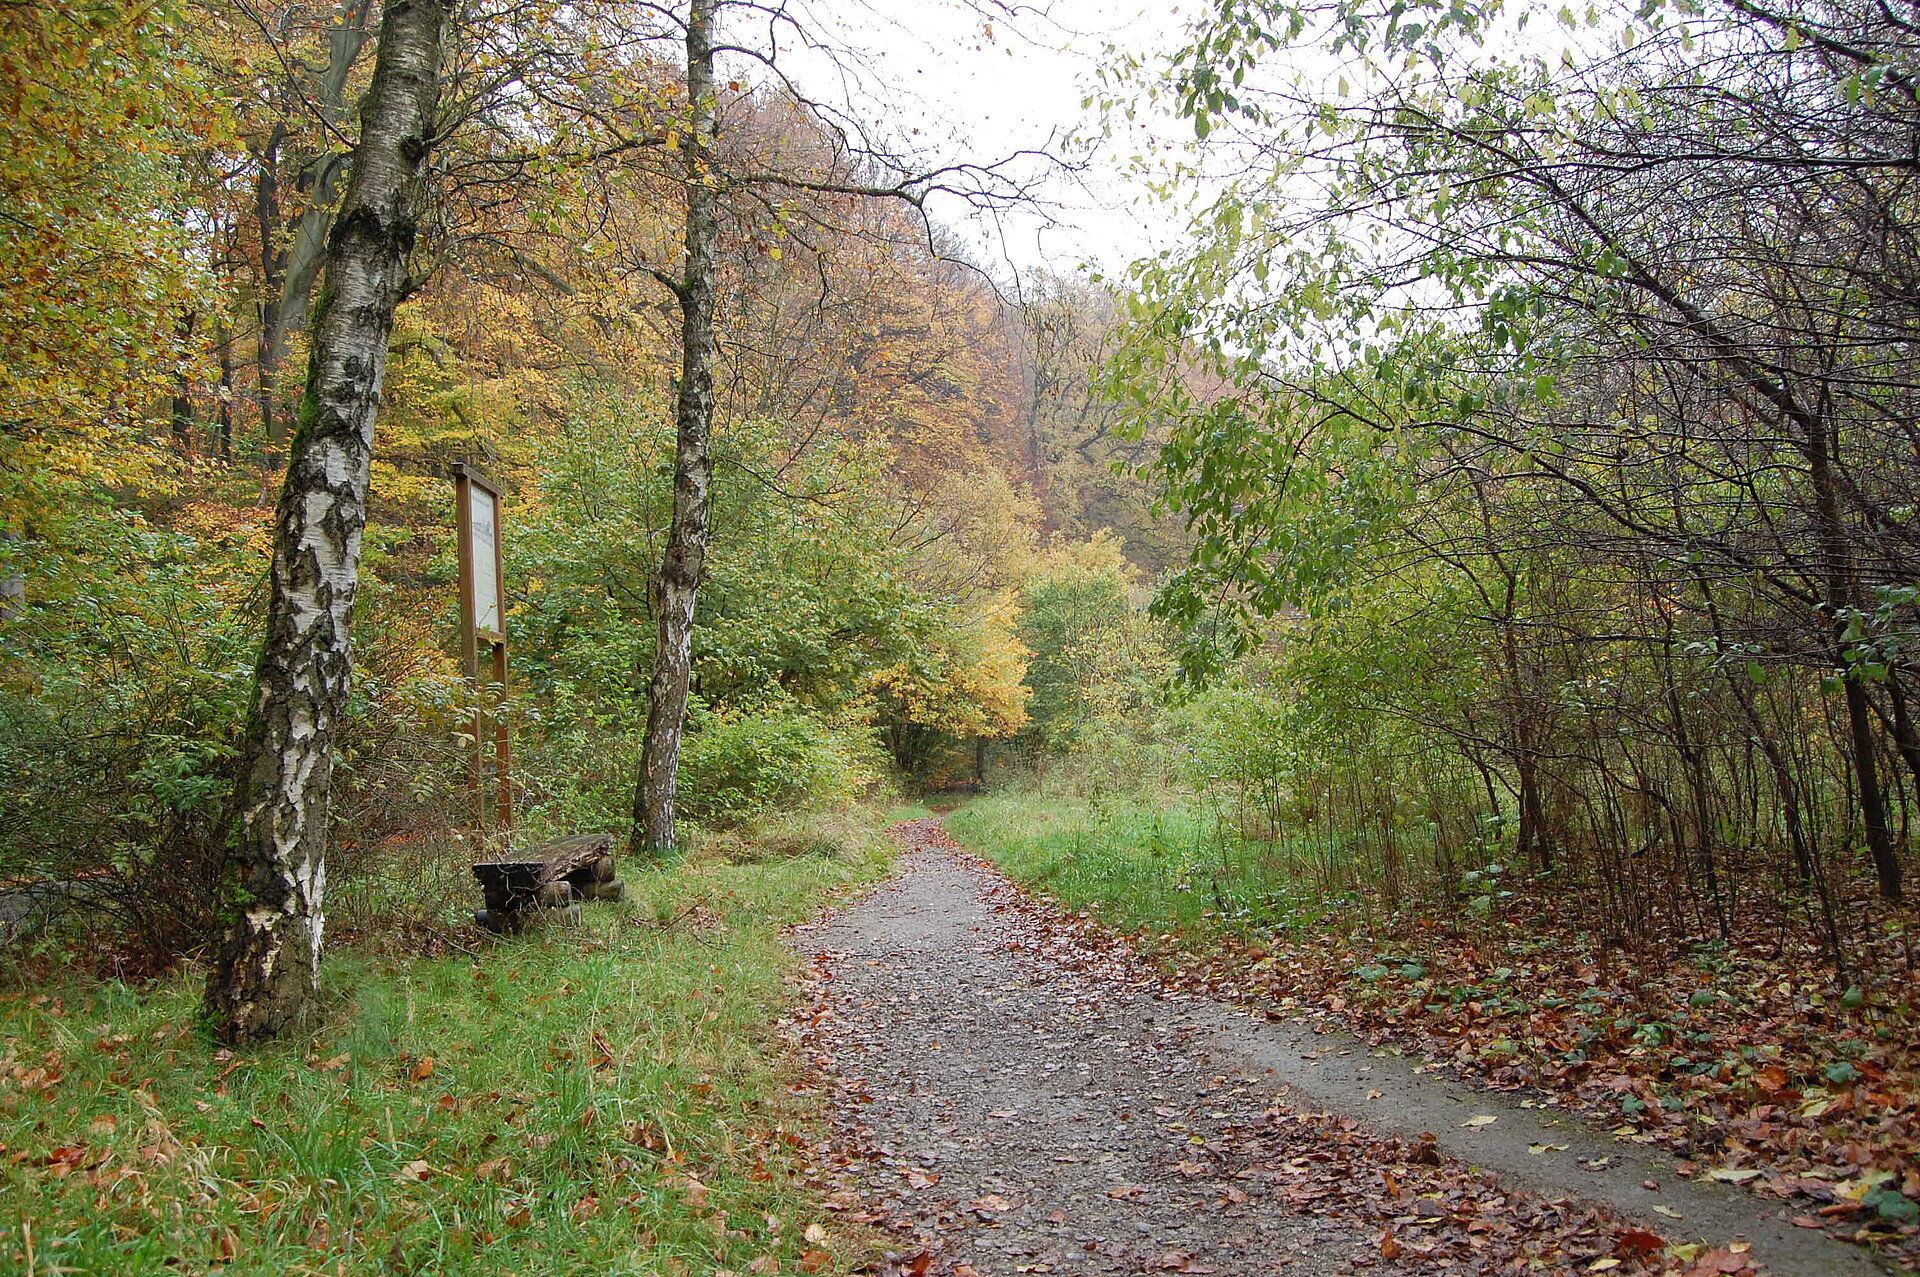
1024,1109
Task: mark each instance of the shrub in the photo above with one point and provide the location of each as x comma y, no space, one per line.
743,765
123,683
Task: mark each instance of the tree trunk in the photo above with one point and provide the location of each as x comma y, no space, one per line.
288,283
225,440
1842,588
13,584
1905,738
269,967
180,410
684,562
273,259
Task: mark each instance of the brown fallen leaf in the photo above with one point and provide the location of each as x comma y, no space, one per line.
921,1179
415,1171
815,1261
1390,1247
423,1070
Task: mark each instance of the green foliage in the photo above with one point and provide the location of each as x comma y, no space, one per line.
1099,669
740,766
827,613
123,685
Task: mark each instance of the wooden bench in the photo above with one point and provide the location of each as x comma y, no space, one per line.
547,883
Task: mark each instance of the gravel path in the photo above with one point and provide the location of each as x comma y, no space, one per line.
1027,1107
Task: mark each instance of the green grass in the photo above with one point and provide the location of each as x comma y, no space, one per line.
610,1100
1140,866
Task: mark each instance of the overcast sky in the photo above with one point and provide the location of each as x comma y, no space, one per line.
979,84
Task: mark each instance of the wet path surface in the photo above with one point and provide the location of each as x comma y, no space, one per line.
1027,1106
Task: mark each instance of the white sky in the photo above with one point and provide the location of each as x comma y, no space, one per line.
964,81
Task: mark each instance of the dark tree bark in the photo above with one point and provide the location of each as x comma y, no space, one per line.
180,410
225,419
290,269
269,966
684,563
273,261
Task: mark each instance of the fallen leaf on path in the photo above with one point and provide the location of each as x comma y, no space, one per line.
1484,1119
1668,1211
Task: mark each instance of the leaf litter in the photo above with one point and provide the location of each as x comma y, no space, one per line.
1015,1090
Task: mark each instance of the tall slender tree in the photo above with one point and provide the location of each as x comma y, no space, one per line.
733,187
268,969
677,585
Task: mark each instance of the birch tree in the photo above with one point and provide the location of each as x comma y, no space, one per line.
677,586
732,185
268,968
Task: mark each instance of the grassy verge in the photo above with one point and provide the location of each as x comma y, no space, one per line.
1142,867
1741,1055
607,1100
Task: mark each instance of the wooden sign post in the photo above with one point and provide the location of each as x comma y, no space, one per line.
483,633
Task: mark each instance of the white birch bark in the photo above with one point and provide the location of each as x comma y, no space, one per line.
684,563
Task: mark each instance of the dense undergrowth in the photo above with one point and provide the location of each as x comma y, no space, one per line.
611,1099
1748,1058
